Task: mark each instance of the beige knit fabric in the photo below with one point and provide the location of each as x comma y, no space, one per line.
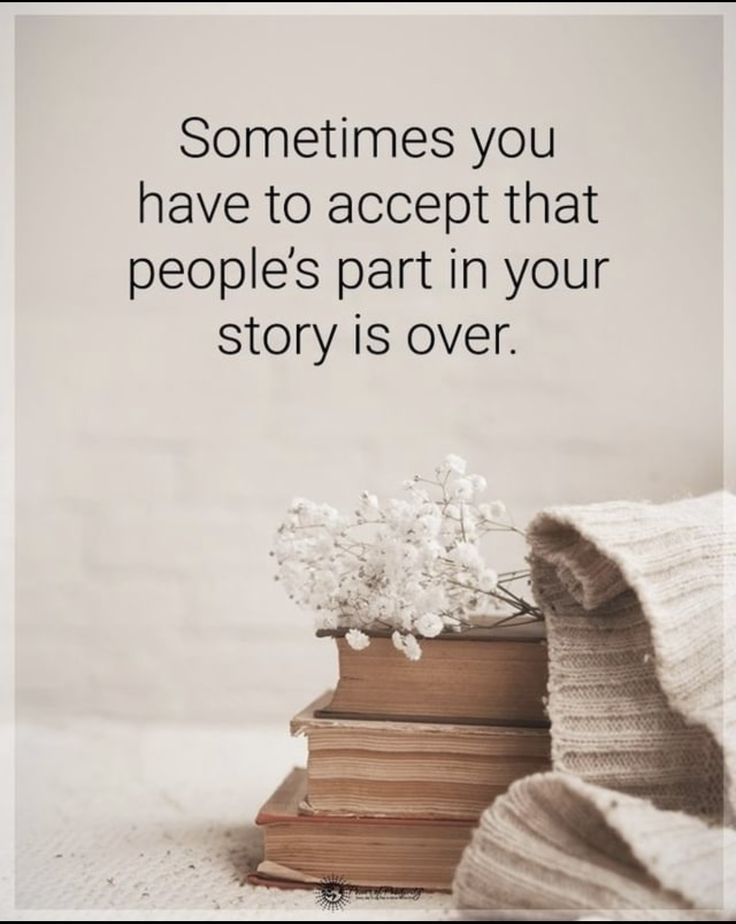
636,817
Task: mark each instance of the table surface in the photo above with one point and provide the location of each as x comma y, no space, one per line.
119,817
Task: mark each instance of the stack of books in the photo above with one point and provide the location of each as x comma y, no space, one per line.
403,758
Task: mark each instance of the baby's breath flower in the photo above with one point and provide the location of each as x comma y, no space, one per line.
412,564
456,464
488,580
466,555
479,483
369,502
327,621
357,639
462,489
411,648
408,645
429,625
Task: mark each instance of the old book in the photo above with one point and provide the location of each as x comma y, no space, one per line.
412,853
479,677
396,768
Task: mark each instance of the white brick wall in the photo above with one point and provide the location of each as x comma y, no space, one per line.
152,471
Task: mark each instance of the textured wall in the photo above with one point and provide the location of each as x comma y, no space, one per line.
152,471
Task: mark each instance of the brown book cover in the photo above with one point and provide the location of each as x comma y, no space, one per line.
395,768
479,677
412,853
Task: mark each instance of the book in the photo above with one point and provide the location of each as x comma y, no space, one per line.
478,677
395,768
411,853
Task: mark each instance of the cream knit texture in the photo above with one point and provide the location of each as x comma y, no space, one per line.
636,818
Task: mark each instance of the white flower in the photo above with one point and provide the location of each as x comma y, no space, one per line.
450,466
497,510
357,639
407,645
466,555
429,625
479,483
417,494
327,621
432,599
462,489
412,649
428,522
428,552
369,503
456,464
413,564
406,620
488,580
325,582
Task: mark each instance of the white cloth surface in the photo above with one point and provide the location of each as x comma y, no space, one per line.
126,819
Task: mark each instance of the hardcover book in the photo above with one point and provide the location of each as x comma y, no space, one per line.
396,768
478,677
412,853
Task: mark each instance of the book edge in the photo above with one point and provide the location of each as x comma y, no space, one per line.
266,880
295,784
469,722
318,715
501,634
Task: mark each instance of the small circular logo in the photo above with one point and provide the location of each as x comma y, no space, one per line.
332,893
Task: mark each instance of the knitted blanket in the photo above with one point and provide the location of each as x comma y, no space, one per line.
636,818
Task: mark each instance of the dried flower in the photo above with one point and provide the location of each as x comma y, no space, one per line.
412,565
479,484
453,463
408,645
429,625
466,555
357,639
463,489
488,580
411,648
